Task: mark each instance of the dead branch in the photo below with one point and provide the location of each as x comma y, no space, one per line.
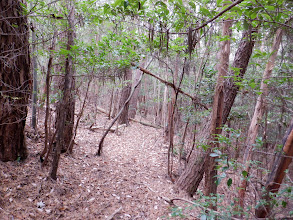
102,110
93,128
194,99
144,123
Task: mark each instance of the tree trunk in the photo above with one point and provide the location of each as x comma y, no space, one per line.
217,113
258,114
35,82
69,105
193,174
123,119
277,174
14,80
65,120
134,99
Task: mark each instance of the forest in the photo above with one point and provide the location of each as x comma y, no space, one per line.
146,109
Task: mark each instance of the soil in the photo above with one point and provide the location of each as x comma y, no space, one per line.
129,180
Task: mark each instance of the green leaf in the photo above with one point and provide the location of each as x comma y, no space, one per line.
117,2
205,11
244,173
229,182
284,204
219,2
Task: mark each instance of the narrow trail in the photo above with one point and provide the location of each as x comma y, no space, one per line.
128,180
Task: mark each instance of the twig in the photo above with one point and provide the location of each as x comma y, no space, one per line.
114,213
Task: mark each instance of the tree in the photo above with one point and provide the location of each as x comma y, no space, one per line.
14,79
123,119
277,174
66,110
191,177
258,113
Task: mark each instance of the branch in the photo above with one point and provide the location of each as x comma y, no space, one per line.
194,99
117,116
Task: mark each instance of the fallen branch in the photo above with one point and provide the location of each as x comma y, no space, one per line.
114,213
102,110
93,128
117,116
194,99
144,123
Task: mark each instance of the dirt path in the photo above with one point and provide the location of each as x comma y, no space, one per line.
128,179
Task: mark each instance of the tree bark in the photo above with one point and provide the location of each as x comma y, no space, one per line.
67,105
194,171
258,114
14,80
65,120
123,119
217,113
35,82
277,174
134,99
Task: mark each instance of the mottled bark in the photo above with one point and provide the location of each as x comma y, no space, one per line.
14,80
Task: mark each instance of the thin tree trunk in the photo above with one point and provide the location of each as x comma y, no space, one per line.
67,102
277,174
45,150
14,79
111,103
193,174
123,119
133,101
258,114
35,82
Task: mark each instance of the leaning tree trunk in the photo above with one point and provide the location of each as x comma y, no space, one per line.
123,119
217,112
14,80
258,114
277,174
193,174
67,102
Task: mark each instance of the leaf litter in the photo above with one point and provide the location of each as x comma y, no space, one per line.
126,182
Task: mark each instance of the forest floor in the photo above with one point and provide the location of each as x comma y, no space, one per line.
129,180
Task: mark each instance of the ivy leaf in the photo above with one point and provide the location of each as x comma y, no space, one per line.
244,173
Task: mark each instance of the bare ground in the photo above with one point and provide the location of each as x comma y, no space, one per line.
127,182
